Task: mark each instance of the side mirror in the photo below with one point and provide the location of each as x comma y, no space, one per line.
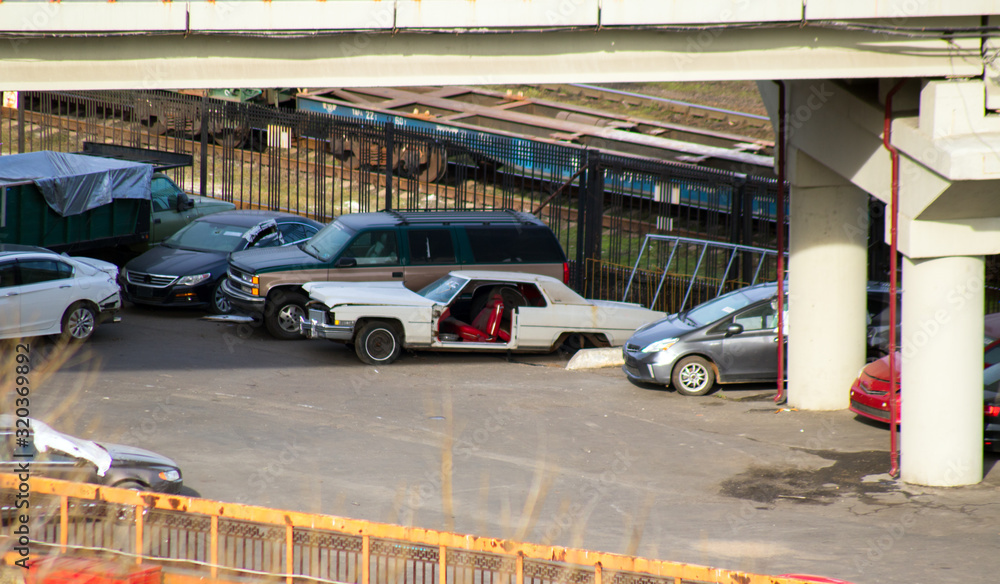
734,329
346,263
184,202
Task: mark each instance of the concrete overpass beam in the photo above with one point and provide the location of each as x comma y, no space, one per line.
827,276
942,373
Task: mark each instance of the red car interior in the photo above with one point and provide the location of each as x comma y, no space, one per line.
485,328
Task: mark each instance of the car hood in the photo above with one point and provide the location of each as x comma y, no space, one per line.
272,258
879,369
122,455
46,438
368,293
669,327
171,261
210,205
99,265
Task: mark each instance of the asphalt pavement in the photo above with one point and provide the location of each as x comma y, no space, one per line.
579,458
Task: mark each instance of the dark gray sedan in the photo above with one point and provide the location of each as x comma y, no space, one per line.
55,455
729,339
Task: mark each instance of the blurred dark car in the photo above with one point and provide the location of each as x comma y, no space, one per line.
729,339
188,268
55,455
870,397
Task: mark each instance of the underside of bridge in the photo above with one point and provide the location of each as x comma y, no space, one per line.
839,60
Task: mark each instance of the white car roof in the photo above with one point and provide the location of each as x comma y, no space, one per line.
555,289
500,275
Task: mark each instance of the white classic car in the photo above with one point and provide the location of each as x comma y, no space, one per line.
463,311
44,293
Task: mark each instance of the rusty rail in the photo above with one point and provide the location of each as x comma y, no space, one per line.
226,539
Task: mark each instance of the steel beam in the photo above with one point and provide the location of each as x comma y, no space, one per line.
372,58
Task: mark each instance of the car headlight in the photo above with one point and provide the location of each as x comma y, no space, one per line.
193,280
661,345
170,475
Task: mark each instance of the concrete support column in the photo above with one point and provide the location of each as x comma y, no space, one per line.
827,278
942,371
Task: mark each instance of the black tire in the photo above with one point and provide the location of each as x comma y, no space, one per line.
282,315
693,376
78,323
378,343
133,485
219,304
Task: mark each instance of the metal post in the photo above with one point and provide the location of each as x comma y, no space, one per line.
779,396
894,364
20,122
138,533
63,523
289,552
635,267
203,189
366,558
747,229
443,564
389,147
594,215
663,276
581,227
214,553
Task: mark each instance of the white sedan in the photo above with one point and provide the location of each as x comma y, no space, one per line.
466,310
44,293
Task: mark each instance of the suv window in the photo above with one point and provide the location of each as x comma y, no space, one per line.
374,248
431,246
36,271
501,244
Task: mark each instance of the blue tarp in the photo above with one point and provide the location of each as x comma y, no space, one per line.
74,183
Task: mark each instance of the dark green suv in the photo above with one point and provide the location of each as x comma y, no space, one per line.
415,248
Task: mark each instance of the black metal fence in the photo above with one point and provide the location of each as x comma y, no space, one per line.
600,205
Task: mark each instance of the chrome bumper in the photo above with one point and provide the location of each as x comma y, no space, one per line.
243,302
314,327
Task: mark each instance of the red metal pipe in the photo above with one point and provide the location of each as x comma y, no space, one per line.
893,243
780,143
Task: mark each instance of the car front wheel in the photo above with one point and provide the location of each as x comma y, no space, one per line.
220,304
78,323
378,343
693,376
283,316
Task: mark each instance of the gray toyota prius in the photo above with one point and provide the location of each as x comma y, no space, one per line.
729,339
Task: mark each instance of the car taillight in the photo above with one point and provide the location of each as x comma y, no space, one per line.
566,273
991,411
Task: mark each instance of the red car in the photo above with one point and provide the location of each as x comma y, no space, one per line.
870,394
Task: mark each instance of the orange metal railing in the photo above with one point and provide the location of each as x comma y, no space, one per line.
225,540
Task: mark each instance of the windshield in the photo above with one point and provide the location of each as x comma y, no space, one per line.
208,236
443,290
725,305
328,242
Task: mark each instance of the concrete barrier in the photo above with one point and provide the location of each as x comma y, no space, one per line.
596,358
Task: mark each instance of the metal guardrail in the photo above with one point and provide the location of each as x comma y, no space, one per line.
229,540
726,256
